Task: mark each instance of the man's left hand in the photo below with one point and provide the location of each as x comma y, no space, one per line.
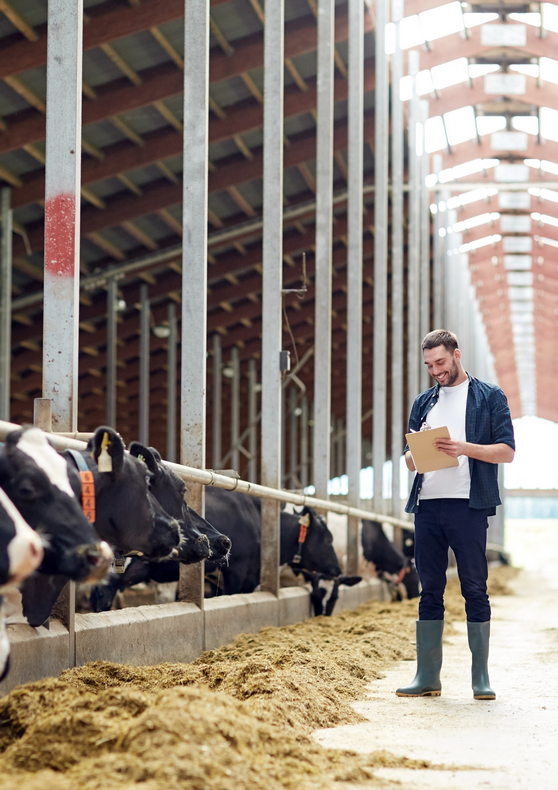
451,447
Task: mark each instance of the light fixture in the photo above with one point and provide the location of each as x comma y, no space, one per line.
161,331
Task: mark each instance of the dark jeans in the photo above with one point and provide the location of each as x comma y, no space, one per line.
443,523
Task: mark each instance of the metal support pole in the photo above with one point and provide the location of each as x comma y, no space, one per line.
62,210
235,409
111,352
62,228
304,476
381,144
171,383
194,266
6,303
424,242
413,259
397,219
145,337
274,36
252,418
324,216
438,252
293,438
217,400
353,437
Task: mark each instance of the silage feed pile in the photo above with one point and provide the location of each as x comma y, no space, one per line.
238,718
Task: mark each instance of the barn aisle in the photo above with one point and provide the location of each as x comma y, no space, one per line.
509,743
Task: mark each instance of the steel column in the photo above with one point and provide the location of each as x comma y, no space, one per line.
324,216
304,476
424,242
413,258
381,144
274,37
252,420
144,371
235,409
6,303
112,334
397,221
217,400
293,439
171,382
438,251
355,149
194,265
62,210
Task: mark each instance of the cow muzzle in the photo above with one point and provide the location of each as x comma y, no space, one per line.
99,559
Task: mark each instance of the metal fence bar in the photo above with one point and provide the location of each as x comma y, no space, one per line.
413,329
144,363
274,39
110,391
235,409
6,303
171,383
217,400
424,289
252,420
194,266
206,477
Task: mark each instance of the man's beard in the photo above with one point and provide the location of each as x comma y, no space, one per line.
452,375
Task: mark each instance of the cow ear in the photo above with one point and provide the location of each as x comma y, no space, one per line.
156,454
146,455
107,450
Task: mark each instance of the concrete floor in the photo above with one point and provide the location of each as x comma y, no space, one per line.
511,743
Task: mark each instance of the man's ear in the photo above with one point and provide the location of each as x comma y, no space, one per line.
457,354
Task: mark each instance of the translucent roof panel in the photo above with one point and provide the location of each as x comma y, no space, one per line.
451,73
478,243
481,69
549,123
530,69
527,19
487,124
549,70
442,21
473,19
526,123
410,32
435,135
550,17
460,125
475,222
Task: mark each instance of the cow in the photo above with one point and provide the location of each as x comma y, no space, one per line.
126,514
21,552
36,479
391,565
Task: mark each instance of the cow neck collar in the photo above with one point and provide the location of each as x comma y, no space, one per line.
88,497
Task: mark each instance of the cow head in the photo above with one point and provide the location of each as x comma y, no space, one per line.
127,513
35,477
21,550
317,550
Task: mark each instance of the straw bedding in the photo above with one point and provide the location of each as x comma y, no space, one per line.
236,718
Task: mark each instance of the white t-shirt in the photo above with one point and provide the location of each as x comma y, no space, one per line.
455,482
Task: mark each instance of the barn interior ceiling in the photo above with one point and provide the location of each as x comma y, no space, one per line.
493,93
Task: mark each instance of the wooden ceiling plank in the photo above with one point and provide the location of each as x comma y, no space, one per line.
17,20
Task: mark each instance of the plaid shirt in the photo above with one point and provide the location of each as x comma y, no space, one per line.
487,421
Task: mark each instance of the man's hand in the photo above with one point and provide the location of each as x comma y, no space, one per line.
451,447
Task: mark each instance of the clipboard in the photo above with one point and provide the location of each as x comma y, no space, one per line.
425,456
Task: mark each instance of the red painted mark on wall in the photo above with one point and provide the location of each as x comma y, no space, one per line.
60,230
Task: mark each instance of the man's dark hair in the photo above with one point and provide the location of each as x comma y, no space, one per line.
440,337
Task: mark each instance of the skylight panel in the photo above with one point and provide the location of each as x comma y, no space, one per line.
451,73
471,197
530,69
410,32
527,19
544,194
475,222
481,69
534,163
549,123
487,124
442,21
424,82
548,242
390,38
550,17
478,243
526,123
549,167
520,278
549,70
546,219
460,125
521,293
435,135
472,20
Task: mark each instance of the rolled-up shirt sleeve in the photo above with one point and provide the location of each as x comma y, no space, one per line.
500,419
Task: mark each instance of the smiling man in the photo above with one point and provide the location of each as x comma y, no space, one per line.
452,506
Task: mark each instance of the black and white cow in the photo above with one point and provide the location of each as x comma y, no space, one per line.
37,480
391,565
21,552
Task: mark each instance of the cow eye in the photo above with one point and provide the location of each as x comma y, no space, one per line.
27,489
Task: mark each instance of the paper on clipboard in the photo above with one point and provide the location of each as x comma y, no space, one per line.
425,455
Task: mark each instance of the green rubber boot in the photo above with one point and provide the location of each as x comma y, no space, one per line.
429,661
479,636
